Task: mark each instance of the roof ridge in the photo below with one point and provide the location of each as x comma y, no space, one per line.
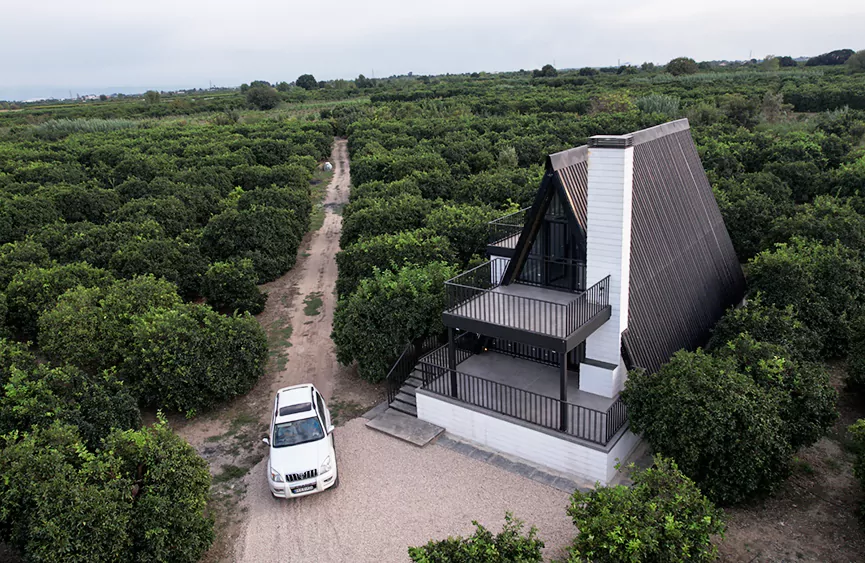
569,157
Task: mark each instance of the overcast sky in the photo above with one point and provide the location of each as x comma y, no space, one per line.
50,47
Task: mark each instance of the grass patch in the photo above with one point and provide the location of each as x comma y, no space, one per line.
278,341
343,411
312,304
316,218
802,467
230,472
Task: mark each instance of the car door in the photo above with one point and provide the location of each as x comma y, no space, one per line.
322,408
273,418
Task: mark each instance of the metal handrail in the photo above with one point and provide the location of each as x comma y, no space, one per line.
405,365
521,312
509,215
502,228
581,422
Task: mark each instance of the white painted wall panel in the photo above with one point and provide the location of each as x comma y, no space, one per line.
522,442
608,252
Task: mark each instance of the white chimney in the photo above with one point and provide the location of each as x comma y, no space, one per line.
608,253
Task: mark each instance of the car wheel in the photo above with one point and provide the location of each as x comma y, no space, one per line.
336,482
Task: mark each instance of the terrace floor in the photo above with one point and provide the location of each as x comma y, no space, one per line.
509,242
530,376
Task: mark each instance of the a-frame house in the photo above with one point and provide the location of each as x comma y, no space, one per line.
622,260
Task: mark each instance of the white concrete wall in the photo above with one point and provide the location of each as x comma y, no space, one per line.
518,441
608,252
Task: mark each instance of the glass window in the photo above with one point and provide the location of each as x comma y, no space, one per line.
297,432
321,410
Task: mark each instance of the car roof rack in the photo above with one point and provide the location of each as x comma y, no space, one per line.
294,409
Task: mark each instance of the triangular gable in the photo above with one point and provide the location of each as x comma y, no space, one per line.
566,177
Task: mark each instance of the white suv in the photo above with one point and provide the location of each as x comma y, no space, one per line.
302,459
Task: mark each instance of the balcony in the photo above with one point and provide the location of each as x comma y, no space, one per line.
505,232
535,309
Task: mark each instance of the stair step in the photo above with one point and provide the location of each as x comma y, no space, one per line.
406,398
413,381
404,408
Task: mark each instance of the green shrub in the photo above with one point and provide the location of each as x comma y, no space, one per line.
190,358
827,219
766,322
508,546
169,512
268,236
82,202
36,290
141,498
375,323
735,446
18,256
294,199
389,252
169,212
808,402
230,286
14,354
823,283
57,128
39,395
466,226
746,213
176,260
92,327
385,190
371,217
856,353
62,503
663,517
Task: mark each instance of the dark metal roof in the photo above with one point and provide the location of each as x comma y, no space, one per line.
684,271
571,172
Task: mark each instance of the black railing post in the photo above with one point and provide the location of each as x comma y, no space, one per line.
452,361
563,391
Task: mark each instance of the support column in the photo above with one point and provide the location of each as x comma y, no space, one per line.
608,252
452,361
563,391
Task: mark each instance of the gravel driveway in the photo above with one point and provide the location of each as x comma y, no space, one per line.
393,495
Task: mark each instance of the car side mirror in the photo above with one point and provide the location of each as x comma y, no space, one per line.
330,428
266,441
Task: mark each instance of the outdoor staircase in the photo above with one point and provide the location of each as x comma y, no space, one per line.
405,400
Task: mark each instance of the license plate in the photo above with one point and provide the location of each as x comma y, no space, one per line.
302,489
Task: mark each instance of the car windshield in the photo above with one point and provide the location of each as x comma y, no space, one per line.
297,432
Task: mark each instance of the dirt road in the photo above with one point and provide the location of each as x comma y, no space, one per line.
307,301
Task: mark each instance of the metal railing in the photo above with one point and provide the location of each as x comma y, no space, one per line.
581,422
466,347
405,365
524,351
474,295
506,227
588,304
